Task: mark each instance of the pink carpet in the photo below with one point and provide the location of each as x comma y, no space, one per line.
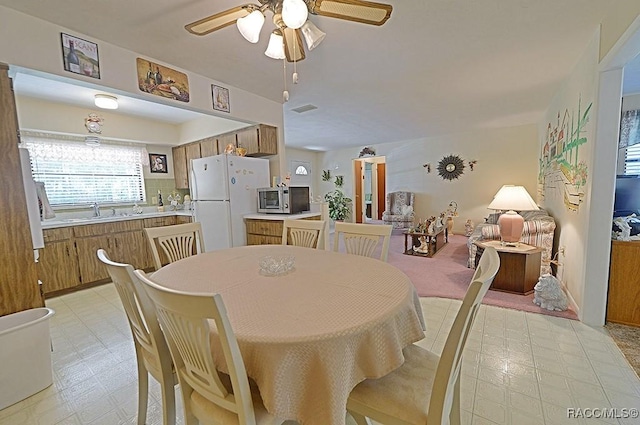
446,275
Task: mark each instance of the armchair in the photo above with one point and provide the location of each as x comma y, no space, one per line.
399,210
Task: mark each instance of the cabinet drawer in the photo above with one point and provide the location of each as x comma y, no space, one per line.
265,227
159,221
263,240
58,234
105,228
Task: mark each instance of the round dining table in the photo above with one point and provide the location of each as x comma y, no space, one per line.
310,335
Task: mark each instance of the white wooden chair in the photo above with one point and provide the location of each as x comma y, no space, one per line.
362,239
185,320
177,242
426,388
305,233
152,352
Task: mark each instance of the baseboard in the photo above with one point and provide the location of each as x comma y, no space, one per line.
572,302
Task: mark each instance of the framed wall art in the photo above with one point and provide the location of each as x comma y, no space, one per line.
158,163
80,56
162,81
220,97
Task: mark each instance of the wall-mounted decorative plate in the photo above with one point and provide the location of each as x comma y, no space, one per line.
450,167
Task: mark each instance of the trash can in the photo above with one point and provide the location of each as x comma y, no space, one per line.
25,354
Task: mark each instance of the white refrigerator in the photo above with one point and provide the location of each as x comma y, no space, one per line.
223,190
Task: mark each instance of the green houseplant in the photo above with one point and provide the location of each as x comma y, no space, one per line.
338,205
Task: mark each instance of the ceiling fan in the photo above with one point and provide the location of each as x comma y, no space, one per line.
290,19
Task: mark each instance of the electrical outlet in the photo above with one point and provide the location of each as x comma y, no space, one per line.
561,250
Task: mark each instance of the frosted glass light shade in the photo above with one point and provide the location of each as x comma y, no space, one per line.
275,49
105,101
312,35
250,26
294,13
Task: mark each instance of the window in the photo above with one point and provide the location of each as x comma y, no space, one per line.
75,174
632,160
301,171
301,175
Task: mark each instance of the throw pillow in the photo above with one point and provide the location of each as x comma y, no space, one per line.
407,210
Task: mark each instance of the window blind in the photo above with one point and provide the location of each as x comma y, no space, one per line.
632,160
75,174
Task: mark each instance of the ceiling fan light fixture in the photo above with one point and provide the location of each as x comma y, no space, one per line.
313,36
106,101
294,13
250,26
275,49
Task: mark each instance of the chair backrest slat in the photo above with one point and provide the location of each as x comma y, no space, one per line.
363,239
177,242
305,233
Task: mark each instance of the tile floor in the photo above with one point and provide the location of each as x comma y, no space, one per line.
519,368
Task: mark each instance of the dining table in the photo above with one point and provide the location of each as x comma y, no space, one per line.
309,334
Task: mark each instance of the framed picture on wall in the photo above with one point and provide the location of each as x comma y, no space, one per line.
220,98
158,163
80,56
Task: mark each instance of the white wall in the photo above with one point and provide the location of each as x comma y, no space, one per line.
503,155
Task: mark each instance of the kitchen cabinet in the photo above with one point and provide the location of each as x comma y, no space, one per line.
18,273
623,299
180,167
208,147
124,242
226,139
58,263
259,140
267,231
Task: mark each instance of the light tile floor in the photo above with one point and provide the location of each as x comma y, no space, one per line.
519,368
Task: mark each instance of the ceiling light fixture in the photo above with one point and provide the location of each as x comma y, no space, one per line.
292,24
106,101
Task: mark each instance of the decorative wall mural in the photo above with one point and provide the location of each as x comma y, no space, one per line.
561,169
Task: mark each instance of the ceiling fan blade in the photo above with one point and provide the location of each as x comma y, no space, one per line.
366,12
213,23
293,48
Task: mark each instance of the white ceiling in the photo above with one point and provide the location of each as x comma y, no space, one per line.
436,67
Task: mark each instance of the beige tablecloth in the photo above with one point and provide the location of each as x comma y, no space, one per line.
308,337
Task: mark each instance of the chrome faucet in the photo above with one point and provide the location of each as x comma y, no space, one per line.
96,209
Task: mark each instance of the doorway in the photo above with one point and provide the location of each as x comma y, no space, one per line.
369,188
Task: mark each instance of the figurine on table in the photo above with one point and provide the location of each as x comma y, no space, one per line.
424,246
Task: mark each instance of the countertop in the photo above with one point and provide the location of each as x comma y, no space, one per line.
81,221
281,217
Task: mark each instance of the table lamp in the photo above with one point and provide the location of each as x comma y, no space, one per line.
512,198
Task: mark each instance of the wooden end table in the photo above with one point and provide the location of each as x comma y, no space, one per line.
434,240
519,266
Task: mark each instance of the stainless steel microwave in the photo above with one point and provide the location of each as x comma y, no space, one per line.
283,200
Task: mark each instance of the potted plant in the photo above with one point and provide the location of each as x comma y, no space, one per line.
338,205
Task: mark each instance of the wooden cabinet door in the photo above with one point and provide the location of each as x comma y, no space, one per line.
248,139
131,248
58,266
268,139
224,139
91,268
192,151
180,167
208,147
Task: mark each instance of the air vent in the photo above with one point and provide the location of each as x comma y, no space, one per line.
92,141
305,108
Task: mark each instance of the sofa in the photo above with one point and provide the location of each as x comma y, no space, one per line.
399,210
539,228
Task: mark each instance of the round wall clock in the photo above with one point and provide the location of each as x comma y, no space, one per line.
450,167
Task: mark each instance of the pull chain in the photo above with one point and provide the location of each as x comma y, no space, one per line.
285,93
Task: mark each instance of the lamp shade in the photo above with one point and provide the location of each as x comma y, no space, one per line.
250,26
294,13
511,199
275,49
106,101
312,35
